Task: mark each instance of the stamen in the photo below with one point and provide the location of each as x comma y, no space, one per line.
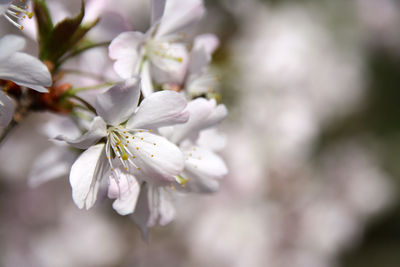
180,180
17,8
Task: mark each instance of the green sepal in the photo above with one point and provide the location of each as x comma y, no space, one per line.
44,23
61,38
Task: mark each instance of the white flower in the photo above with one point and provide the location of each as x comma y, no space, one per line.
156,55
21,68
203,168
198,81
14,11
130,143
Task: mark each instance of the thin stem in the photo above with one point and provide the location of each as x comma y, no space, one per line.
87,104
74,91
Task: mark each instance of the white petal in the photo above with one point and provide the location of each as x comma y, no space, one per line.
180,14
204,45
160,109
218,114
162,210
53,163
203,114
10,44
170,64
118,103
6,109
141,215
200,85
125,188
125,49
203,167
97,130
86,174
25,70
146,80
157,9
159,160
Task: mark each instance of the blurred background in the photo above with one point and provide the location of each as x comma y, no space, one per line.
313,90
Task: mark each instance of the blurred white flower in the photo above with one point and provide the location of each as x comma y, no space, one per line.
198,81
145,155
157,54
203,167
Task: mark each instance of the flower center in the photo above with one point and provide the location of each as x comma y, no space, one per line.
160,49
17,11
123,145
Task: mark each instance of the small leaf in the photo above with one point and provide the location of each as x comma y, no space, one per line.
45,24
62,35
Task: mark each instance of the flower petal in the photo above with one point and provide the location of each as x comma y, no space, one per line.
125,49
6,109
159,109
25,70
203,167
204,45
157,160
118,103
125,188
162,210
203,114
10,44
180,14
170,65
97,130
146,80
154,207
86,174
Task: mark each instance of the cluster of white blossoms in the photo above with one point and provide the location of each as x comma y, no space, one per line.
152,135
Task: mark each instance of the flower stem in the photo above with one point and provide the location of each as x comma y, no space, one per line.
89,106
74,91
